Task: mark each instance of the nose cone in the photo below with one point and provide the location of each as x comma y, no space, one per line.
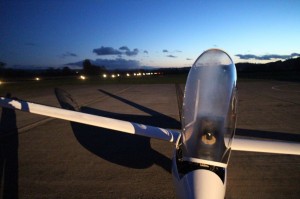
200,184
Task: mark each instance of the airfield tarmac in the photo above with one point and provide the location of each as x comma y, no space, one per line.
51,158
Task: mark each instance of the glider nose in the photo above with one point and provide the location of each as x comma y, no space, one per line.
202,184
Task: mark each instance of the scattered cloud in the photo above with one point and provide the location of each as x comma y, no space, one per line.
171,56
247,56
123,50
132,53
106,51
266,57
68,54
145,51
189,59
173,51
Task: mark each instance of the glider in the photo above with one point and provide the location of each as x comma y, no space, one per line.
202,147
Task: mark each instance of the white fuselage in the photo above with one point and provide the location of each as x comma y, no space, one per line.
198,184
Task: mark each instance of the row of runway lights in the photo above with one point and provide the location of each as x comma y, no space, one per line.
105,76
3,82
82,77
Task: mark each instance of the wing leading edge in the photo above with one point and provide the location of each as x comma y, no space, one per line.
94,120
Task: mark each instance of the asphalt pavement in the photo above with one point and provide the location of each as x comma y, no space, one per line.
51,158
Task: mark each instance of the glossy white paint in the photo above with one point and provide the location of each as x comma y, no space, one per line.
94,120
198,184
266,146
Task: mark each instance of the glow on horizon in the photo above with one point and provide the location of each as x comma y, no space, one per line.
166,34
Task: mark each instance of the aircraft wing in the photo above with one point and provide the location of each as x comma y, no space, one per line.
94,120
266,146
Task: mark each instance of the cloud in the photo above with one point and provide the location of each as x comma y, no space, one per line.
106,51
145,51
128,52
171,56
266,57
247,56
68,54
132,53
123,50
189,59
173,51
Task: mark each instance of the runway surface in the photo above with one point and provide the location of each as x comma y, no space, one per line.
51,158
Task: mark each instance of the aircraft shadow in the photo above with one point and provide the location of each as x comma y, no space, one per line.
155,118
9,143
120,148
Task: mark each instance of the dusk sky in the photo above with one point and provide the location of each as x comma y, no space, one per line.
156,33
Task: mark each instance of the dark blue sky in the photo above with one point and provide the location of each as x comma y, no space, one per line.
151,33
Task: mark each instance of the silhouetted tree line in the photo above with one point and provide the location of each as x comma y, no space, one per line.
287,65
65,71
22,73
87,68
2,64
174,71
90,69
279,70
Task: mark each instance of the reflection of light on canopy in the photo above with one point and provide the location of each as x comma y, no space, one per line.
209,107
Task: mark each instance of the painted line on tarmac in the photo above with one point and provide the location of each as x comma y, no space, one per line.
277,88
